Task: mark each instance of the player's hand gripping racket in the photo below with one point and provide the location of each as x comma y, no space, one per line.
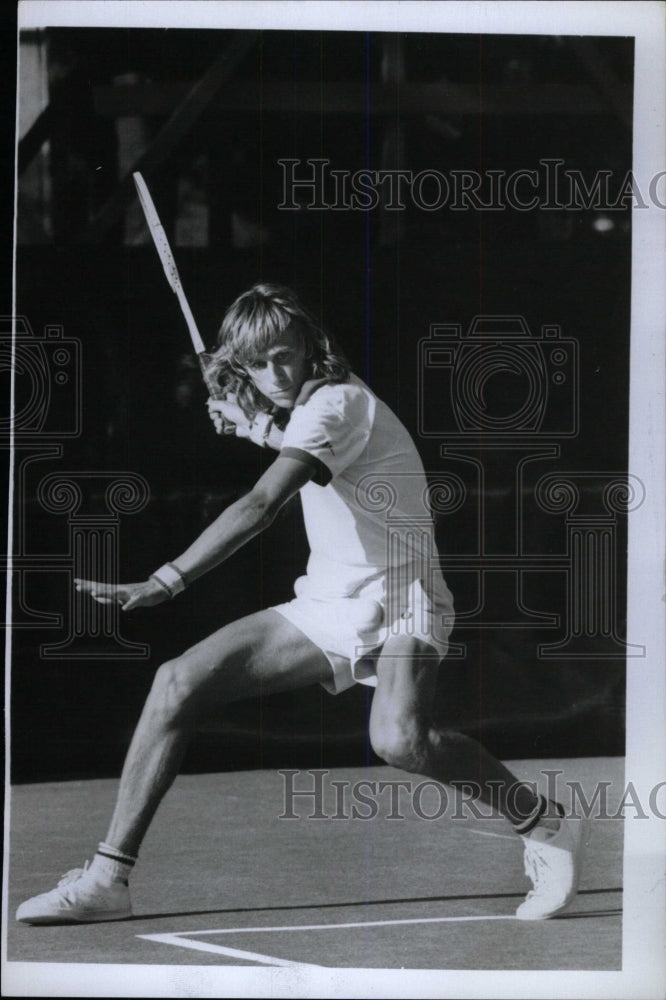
171,271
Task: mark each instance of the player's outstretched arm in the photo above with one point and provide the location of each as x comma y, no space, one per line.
235,526
245,518
127,595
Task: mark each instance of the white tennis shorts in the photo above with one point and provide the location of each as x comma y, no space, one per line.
350,631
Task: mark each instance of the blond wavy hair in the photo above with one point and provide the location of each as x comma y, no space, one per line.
252,324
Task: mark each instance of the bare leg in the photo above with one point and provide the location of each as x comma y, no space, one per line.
404,734
260,654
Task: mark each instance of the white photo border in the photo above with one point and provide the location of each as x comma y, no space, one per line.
644,922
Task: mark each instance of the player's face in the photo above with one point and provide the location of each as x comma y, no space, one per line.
280,372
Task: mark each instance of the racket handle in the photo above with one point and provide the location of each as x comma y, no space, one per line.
210,381
214,390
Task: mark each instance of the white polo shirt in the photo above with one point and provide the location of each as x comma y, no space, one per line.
366,507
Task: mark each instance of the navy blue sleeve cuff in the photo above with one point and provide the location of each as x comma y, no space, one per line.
321,474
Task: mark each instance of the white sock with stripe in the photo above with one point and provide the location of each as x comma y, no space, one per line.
542,819
111,865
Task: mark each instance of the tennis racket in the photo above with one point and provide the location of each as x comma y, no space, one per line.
171,271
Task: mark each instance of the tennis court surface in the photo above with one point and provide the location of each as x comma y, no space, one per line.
223,880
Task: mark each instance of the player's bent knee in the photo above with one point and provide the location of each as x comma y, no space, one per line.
402,745
413,747
171,694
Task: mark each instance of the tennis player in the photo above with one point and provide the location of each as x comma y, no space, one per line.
372,608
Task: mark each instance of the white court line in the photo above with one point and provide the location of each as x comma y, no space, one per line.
180,939
361,923
327,927
218,949
487,833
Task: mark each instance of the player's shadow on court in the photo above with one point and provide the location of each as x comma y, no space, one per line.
383,902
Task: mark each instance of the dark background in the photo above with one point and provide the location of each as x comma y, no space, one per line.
376,284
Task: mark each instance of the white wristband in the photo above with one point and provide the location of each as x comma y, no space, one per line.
170,578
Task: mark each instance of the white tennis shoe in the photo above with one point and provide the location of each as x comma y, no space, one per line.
553,862
79,897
